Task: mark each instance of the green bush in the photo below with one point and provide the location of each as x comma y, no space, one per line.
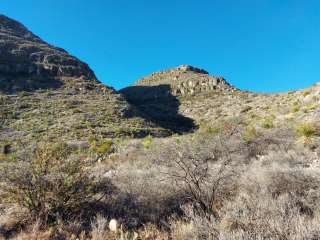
100,147
295,107
267,122
104,147
147,141
52,186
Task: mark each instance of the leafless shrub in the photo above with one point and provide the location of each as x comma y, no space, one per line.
199,168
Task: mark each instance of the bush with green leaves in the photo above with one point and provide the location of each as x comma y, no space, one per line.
52,185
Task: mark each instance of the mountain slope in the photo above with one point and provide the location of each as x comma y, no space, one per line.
47,94
210,100
28,63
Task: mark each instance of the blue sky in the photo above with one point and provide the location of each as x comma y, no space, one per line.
258,45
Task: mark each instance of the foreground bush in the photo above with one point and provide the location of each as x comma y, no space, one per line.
53,185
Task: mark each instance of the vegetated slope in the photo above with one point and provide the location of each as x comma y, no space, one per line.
47,93
210,100
250,172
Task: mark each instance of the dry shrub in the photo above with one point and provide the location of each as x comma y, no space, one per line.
151,232
202,170
99,228
53,185
181,230
277,199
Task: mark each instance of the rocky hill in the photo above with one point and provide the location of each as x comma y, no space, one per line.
184,80
45,93
28,63
192,93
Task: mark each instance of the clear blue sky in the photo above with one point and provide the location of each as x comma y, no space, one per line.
258,45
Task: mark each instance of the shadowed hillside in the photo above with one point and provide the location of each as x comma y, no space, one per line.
159,106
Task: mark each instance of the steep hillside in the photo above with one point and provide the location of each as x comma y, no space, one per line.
28,63
45,93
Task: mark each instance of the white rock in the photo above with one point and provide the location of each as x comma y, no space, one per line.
113,225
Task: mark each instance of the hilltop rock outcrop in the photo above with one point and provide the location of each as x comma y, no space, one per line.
183,80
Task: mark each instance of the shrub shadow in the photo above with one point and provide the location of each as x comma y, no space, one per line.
157,105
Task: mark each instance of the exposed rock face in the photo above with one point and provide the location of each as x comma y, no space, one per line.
28,63
191,68
183,80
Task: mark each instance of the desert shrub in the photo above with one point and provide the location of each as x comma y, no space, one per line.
208,128
246,109
182,230
99,228
104,147
51,185
296,106
143,195
306,93
310,107
277,199
306,130
249,134
267,122
147,141
101,148
200,168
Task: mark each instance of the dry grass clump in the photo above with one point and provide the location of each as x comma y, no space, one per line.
307,133
306,130
268,122
99,228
